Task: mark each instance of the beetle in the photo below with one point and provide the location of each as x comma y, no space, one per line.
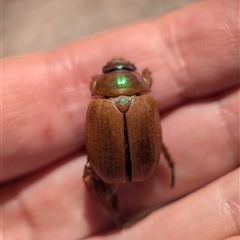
123,132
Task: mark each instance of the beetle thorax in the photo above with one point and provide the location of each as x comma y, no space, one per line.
117,83
123,102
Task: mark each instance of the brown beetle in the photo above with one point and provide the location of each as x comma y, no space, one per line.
123,132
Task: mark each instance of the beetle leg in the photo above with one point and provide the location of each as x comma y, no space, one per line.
147,77
170,163
94,79
102,193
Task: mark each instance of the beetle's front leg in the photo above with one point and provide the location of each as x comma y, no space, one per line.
170,163
94,80
147,77
102,193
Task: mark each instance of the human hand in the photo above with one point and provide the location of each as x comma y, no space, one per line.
194,59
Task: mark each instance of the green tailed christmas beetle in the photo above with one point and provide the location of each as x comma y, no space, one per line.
123,132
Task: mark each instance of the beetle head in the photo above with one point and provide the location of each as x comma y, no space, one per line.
118,64
119,78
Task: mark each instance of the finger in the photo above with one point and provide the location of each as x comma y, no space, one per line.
59,193
45,96
193,61
209,213
33,205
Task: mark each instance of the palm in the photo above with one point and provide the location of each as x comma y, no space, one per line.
197,91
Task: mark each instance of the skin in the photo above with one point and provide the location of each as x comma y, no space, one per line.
193,54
